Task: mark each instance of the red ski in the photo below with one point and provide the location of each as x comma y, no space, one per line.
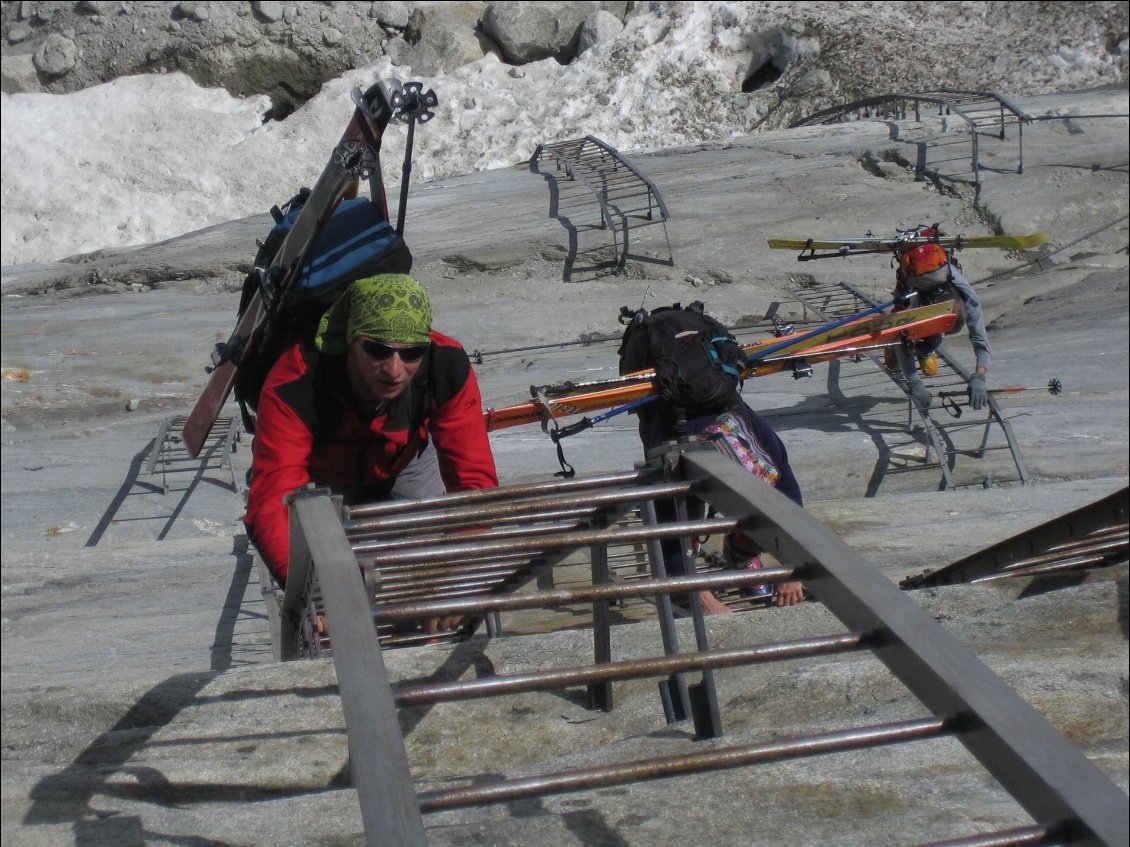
774,355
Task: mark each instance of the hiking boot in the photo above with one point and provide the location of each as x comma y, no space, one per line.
891,360
928,364
737,561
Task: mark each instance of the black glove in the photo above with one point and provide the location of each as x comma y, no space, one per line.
978,395
918,393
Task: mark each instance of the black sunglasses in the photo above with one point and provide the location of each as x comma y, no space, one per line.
380,352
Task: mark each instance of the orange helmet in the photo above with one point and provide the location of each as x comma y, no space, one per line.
920,259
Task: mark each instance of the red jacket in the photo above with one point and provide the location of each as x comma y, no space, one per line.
309,430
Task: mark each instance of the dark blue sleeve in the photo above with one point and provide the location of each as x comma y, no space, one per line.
770,441
787,483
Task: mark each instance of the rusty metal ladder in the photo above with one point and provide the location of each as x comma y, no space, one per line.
626,198
1069,799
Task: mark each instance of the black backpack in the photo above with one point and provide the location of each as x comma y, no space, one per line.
698,363
356,242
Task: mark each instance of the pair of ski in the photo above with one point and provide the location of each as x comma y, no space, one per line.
842,247
864,332
356,157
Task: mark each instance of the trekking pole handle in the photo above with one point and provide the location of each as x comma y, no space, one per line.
588,423
950,404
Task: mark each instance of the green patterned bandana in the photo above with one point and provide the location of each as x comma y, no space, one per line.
390,307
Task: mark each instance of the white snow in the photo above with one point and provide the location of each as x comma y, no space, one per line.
146,158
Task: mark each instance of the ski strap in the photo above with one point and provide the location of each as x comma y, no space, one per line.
552,426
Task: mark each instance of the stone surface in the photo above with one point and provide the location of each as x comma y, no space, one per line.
140,703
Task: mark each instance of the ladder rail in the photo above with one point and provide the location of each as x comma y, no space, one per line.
1051,779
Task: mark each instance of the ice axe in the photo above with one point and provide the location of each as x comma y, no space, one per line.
951,405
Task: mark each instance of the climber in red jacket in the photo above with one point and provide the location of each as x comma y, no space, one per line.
379,406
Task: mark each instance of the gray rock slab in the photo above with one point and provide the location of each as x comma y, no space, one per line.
140,703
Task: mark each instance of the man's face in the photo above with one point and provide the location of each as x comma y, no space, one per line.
380,371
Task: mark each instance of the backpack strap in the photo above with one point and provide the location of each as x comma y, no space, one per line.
681,435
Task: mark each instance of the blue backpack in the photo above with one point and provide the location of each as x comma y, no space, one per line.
356,242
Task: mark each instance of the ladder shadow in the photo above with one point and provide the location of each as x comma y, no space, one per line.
884,462
573,231
604,257
133,485
67,796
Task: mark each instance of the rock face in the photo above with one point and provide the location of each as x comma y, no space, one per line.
639,77
284,50
810,54
527,32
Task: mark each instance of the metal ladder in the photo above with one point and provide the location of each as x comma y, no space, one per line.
169,456
1070,800
1095,536
984,112
627,199
834,301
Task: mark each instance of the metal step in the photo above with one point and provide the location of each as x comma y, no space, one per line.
1069,799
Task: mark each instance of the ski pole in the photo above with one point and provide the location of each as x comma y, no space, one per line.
588,423
949,401
560,432
842,253
405,175
412,106
757,357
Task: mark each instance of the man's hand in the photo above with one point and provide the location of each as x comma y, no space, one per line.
439,625
978,394
790,593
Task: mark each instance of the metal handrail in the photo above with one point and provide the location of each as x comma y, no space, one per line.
951,101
